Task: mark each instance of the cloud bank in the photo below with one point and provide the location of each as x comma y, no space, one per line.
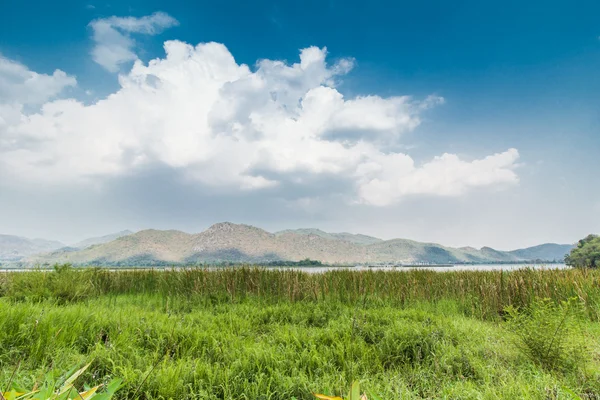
225,125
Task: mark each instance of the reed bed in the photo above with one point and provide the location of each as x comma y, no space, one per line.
482,294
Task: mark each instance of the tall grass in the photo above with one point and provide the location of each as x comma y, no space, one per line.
483,294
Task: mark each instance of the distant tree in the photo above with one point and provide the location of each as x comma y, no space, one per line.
308,261
586,254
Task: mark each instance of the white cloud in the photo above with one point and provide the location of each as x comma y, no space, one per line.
20,85
389,177
113,43
224,125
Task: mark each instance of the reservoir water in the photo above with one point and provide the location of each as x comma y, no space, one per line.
315,270
440,268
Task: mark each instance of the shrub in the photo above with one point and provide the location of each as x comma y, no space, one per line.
550,334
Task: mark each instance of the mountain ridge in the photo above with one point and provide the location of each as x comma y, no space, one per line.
14,248
349,237
231,242
100,239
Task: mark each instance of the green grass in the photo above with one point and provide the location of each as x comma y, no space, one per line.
256,334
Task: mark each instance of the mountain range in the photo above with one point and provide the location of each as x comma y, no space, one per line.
17,248
244,243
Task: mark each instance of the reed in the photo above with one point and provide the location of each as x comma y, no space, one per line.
482,294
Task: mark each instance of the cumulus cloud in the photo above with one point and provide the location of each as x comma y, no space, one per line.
392,176
228,126
113,42
19,85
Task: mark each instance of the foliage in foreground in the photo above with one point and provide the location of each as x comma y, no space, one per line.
62,389
586,254
353,394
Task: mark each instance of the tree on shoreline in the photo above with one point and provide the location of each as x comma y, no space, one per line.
586,254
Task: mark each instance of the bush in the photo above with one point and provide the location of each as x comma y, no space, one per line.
550,334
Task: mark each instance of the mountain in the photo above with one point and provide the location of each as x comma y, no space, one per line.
15,248
100,240
348,237
548,251
244,243
140,248
220,242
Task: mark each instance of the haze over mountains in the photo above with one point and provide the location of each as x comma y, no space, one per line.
16,248
101,239
244,243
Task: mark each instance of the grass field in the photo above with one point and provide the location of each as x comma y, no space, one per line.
254,334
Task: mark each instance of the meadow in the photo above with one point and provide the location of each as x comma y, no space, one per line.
251,333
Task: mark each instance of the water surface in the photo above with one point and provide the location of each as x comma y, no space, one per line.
440,268
325,268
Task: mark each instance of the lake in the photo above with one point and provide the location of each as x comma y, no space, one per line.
440,268
316,270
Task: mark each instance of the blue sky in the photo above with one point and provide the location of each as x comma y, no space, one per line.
511,75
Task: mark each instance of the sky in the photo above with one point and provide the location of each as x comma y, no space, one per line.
465,123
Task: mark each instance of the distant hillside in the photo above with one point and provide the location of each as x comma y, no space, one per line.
100,240
348,237
548,251
145,247
15,248
245,243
